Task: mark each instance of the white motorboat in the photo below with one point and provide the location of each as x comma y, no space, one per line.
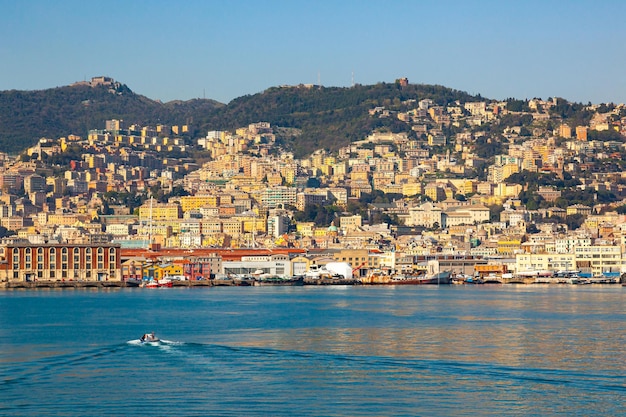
149,338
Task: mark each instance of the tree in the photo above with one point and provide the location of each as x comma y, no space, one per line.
4,232
574,221
531,228
313,182
621,209
494,212
517,105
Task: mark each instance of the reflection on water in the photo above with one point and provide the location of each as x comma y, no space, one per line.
517,326
501,350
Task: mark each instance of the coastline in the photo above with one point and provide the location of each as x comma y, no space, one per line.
234,283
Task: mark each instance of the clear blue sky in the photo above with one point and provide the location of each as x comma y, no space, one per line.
224,49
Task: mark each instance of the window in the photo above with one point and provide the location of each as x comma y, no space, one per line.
52,260
27,260
88,258
64,262
76,259
16,258
100,258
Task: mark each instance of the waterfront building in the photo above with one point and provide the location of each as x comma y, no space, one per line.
594,260
361,260
545,262
598,259
278,264
21,260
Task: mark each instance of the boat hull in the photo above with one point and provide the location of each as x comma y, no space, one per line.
279,282
442,278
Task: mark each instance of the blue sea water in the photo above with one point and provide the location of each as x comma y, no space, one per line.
315,351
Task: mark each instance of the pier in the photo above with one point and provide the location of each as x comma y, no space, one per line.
90,284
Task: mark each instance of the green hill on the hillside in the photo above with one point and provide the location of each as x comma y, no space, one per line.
26,116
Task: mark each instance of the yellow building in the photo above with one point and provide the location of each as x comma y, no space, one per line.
158,211
565,131
581,132
411,189
162,271
289,173
507,190
305,228
274,179
350,222
194,202
435,192
359,175
340,168
232,226
498,173
66,219
578,209
249,223
509,245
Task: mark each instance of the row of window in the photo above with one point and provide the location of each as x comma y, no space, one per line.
52,258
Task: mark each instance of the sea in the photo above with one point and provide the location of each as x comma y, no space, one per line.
484,350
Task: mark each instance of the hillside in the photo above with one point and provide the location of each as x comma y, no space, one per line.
323,117
26,116
328,117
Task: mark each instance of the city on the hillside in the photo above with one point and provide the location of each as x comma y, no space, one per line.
506,191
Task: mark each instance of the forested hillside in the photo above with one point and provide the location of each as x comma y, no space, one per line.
26,116
328,117
324,117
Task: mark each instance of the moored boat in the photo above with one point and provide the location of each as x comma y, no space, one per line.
441,278
165,282
133,282
152,284
402,279
268,279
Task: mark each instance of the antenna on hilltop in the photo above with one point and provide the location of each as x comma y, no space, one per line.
352,78
319,79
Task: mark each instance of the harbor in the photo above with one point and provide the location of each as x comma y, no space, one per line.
444,278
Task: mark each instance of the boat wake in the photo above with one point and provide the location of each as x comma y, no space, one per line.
239,356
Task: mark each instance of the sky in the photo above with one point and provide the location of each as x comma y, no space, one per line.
224,49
